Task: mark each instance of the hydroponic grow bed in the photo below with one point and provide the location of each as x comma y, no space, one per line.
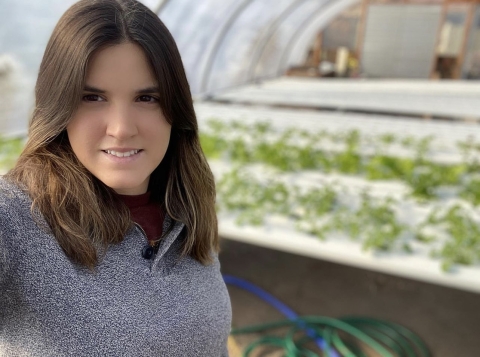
407,227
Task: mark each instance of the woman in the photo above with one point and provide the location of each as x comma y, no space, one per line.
108,232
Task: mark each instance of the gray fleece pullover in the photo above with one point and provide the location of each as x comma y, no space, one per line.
129,307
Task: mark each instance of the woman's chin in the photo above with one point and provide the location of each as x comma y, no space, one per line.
128,188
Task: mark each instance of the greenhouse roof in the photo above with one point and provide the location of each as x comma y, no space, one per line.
223,43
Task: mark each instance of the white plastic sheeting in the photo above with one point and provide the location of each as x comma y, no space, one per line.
25,27
226,43
223,43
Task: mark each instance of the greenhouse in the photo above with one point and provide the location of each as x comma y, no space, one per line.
328,138
238,73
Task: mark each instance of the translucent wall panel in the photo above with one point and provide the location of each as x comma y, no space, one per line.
25,27
152,4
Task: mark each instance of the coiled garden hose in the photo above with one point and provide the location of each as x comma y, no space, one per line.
346,337
277,304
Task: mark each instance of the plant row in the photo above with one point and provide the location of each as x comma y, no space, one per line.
450,233
298,150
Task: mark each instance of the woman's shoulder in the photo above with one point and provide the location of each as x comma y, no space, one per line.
13,199
15,218
14,209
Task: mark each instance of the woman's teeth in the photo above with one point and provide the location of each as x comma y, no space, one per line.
122,154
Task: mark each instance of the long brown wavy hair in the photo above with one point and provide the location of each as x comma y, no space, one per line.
82,213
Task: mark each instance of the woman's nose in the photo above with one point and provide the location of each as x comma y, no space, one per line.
121,123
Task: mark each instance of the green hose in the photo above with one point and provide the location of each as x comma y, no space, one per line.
349,336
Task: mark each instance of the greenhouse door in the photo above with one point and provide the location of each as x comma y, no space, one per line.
400,40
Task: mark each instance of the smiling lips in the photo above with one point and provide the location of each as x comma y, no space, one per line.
121,154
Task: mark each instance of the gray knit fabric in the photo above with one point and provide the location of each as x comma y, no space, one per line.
129,307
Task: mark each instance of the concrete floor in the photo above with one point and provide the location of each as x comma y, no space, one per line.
447,319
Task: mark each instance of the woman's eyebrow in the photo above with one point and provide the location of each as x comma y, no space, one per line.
92,89
147,90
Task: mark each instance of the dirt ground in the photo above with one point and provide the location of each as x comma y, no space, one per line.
447,319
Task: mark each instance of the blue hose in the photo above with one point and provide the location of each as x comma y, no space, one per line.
280,306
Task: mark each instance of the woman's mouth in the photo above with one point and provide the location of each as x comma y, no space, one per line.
122,154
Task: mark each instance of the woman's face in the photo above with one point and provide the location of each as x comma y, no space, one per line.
119,132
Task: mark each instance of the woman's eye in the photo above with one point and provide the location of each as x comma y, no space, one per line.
147,98
92,98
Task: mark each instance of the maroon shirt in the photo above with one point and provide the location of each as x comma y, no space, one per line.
149,215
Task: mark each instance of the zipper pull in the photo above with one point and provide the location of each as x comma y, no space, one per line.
148,251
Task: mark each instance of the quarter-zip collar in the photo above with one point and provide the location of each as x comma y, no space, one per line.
168,240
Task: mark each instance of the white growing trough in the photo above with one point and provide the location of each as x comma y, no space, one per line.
450,98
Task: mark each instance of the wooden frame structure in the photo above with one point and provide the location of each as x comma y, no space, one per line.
470,7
